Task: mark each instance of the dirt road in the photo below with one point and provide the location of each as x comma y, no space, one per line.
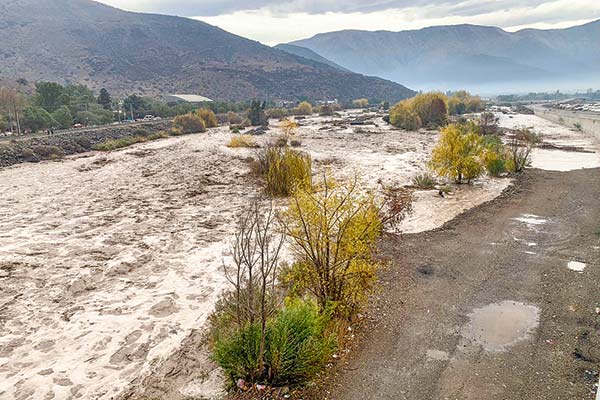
500,304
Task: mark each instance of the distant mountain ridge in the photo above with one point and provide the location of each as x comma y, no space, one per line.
308,54
464,55
81,41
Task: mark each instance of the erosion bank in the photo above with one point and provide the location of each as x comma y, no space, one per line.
590,122
72,142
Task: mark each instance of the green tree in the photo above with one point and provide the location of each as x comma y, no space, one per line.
257,115
63,117
49,95
94,115
104,99
37,118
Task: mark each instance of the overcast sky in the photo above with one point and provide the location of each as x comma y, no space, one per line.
277,21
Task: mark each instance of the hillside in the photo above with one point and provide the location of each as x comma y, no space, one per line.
309,54
81,41
466,55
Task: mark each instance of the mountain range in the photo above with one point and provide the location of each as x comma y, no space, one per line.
82,41
467,56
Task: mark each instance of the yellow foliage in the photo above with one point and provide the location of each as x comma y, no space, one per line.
458,154
289,127
208,116
361,103
285,170
333,233
189,123
431,108
304,108
402,116
242,141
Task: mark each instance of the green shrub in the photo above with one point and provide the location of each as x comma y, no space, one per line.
189,123
257,115
296,347
158,135
110,145
285,170
424,181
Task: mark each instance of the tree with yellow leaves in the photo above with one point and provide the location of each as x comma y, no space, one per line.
458,154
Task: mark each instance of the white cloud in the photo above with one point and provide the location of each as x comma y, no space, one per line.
272,28
272,21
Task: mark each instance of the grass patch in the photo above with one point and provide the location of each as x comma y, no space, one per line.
110,145
424,181
284,170
242,141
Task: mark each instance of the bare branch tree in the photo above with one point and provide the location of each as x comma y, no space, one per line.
255,249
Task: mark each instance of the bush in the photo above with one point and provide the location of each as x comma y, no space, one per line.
334,232
208,116
110,145
234,118
488,123
242,141
401,116
296,347
325,110
189,123
463,102
458,153
284,170
277,113
48,152
424,181
360,103
158,135
430,108
304,108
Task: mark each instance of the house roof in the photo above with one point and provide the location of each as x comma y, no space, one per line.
190,98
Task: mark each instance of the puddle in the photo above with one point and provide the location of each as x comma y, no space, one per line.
576,266
531,219
498,326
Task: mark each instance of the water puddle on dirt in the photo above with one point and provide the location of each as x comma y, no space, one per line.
576,266
498,326
531,219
